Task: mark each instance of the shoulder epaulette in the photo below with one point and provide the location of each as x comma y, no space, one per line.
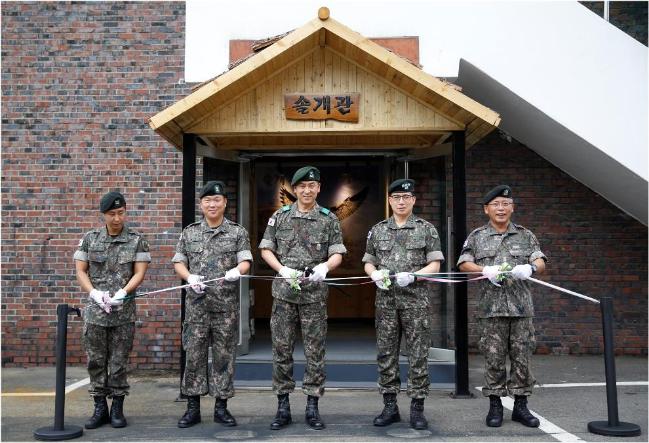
481,228
192,224
325,211
286,208
235,223
379,223
519,226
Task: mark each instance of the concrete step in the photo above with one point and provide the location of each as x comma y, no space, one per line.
341,374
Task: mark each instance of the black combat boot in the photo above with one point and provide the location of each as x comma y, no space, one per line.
390,413
417,419
495,415
117,419
221,413
312,415
193,414
283,416
100,416
523,415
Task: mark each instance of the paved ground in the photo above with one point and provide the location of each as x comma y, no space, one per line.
153,413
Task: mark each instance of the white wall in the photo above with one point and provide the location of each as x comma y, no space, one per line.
569,63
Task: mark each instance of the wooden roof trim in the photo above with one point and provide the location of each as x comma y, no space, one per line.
431,82
211,88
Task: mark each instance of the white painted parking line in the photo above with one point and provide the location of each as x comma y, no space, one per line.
68,389
546,426
77,385
584,385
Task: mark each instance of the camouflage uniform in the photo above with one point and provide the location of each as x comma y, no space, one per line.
505,313
403,249
211,317
300,240
108,338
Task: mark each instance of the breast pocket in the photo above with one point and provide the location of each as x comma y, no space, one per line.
319,246
416,249
284,239
519,256
486,257
383,245
194,247
194,255
98,259
227,253
126,256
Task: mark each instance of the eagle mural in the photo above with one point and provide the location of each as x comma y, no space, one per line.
342,210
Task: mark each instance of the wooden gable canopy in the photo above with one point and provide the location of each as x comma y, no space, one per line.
401,106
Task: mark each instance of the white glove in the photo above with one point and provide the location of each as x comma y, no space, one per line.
378,276
404,279
522,272
233,274
319,273
102,298
491,272
197,283
289,273
118,298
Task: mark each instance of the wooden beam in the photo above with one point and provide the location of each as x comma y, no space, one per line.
334,131
434,151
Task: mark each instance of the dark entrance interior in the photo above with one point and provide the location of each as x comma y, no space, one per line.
353,186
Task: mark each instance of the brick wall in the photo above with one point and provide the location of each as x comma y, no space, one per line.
79,82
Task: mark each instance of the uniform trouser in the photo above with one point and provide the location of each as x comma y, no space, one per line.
284,321
414,324
221,332
502,336
107,349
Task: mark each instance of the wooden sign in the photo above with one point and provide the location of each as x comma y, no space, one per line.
342,107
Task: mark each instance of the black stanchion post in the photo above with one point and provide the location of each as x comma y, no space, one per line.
59,431
612,427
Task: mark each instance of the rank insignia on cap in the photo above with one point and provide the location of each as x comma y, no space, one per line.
311,174
217,188
117,202
406,186
506,193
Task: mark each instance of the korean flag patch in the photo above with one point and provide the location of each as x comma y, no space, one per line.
271,221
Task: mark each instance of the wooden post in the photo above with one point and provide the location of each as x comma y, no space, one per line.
459,231
188,217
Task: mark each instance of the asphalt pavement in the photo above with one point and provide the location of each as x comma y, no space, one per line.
570,395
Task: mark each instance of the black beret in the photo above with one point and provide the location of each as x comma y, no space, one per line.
213,187
498,191
307,173
402,185
112,200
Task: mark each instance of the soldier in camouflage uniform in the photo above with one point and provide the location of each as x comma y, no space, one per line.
110,260
403,244
299,236
505,308
212,248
